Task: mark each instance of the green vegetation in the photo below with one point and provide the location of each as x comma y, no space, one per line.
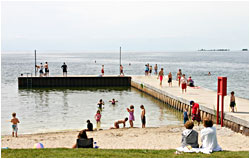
114,153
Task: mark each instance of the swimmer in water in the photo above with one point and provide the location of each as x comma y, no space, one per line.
209,74
113,101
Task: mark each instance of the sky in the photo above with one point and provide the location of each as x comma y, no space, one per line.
133,25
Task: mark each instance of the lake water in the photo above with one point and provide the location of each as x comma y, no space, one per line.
43,110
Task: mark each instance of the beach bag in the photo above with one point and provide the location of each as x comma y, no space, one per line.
84,143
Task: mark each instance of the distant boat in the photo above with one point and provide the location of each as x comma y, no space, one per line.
244,49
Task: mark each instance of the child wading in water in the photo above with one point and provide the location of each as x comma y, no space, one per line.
185,115
131,115
14,121
98,119
232,101
161,74
143,118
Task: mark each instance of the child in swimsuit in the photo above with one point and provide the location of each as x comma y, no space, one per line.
113,101
143,117
98,119
232,101
131,115
14,121
116,124
100,104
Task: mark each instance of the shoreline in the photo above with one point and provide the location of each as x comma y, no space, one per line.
165,137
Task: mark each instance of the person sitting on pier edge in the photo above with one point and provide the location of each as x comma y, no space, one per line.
190,82
64,67
209,137
116,123
195,112
89,126
189,136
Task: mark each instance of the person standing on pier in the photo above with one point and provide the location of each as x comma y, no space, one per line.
232,101
161,74
41,69
195,112
178,77
156,68
64,67
121,70
46,67
184,83
170,79
102,70
146,69
150,70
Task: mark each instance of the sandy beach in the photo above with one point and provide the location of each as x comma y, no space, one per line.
127,138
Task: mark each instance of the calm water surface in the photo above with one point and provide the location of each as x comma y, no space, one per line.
42,110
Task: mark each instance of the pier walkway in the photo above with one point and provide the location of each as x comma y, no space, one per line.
206,98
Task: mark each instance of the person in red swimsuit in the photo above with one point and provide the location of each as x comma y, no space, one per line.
161,74
179,74
102,70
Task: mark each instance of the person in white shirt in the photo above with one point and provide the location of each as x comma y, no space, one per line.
183,83
209,137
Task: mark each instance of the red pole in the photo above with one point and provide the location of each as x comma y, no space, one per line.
218,109
222,110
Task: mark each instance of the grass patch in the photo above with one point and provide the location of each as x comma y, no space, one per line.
113,153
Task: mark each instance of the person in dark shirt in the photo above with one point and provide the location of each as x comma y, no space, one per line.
64,67
89,126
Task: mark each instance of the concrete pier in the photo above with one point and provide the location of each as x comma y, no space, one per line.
74,81
207,99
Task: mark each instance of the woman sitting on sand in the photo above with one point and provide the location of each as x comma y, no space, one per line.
82,135
189,136
209,137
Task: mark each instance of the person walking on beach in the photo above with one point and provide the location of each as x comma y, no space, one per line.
116,124
46,67
185,115
98,119
156,68
64,67
195,112
232,101
100,104
184,83
161,74
14,121
41,70
131,115
170,79
143,117
89,126
178,77
121,70
102,70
